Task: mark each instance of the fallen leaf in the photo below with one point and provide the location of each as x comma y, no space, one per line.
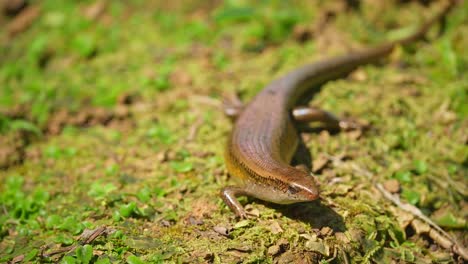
420,227
275,228
222,230
241,224
392,186
326,231
319,163
17,259
319,247
273,250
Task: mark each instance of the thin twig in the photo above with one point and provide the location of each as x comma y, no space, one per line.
345,256
206,100
86,237
411,209
335,251
194,129
59,251
455,246
94,234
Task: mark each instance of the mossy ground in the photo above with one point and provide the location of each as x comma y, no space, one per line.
146,160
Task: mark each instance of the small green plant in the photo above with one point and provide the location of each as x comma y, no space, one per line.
19,204
182,166
100,191
84,45
64,239
132,259
412,197
161,133
420,167
403,176
82,255
55,152
144,195
127,210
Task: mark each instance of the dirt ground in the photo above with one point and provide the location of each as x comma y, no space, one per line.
112,132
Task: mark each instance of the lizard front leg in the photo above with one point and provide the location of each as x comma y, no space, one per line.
229,195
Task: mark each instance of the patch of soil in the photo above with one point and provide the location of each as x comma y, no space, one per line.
23,20
95,10
302,33
13,7
12,149
13,144
119,117
18,111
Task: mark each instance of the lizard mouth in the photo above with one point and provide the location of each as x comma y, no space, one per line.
311,195
314,195
304,193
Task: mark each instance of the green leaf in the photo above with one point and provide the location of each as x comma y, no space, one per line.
449,56
26,126
411,196
127,210
71,151
53,152
116,216
102,261
115,135
100,191
220,60
84,253
243,223
30,255
14,183
181,166
420,166
37,48
183,153
234,14
40,196
161,133
159,192
134,260
117,235
112,169
161,83
53,221
72,225
459,97
403,176
407,255
69,260
85,45
452,168
451,221
64,240
144,195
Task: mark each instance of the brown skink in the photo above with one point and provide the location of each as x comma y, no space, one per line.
264,137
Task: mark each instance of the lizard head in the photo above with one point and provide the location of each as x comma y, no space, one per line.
302,189
298,186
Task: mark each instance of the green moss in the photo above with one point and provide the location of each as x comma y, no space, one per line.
155,180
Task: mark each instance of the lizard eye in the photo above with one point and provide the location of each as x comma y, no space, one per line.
293,189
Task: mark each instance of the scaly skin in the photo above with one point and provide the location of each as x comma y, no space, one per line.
264,138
